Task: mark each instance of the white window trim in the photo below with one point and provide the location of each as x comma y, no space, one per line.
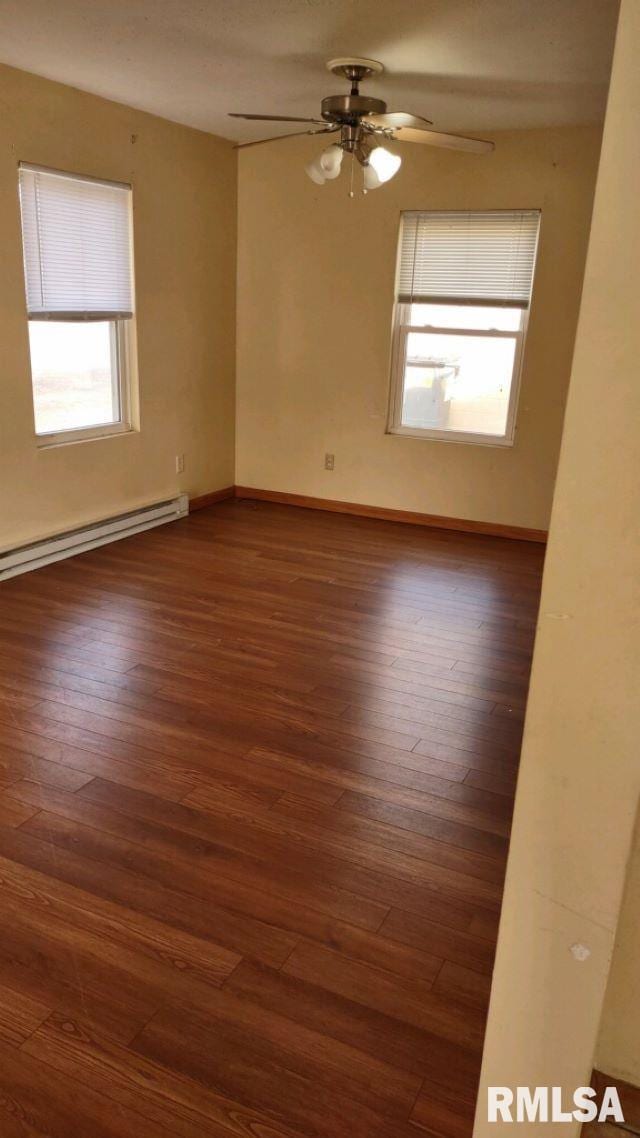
401,330
123,347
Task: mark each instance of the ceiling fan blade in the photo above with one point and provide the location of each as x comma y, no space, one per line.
272,118
281,137
448,141
393,120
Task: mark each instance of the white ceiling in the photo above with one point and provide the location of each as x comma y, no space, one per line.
465,64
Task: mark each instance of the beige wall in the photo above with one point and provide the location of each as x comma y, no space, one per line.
315,295
618,1050
184,185
580,775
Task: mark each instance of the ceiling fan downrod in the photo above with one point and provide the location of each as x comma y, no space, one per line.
347,111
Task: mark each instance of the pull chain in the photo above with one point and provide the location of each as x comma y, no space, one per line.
351,193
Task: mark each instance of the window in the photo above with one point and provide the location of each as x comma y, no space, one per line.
462,301
76,236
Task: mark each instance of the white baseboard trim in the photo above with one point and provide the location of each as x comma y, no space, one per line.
27,557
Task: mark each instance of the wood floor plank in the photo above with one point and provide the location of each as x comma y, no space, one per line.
15,766
369,1030
160,1094
232,1024
161,946
370,871
20,1015
94,756
463,985
289,900
235,1065
389,878
422,814
459,946
406,788
13,812
243,933
409,1000
31,1094
372,948
440,1113
485,925
256,778
394,837
77,968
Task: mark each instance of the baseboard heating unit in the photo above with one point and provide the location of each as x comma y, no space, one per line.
38,553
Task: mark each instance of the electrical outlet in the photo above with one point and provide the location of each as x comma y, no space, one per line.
329,461
179,464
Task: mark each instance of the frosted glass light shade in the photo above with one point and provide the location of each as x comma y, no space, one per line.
315,171
331,161
384,163
370,178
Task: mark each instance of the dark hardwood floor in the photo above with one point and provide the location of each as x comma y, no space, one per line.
256,776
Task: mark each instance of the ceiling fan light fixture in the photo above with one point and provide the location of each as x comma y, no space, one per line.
384,165
370,179
316,172
331,161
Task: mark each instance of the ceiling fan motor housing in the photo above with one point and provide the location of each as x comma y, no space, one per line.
349,109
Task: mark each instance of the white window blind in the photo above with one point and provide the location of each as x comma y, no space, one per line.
468,258
76,235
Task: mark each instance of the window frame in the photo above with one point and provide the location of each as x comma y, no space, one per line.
123,353
401,330
123,337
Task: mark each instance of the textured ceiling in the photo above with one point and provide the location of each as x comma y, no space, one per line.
465,64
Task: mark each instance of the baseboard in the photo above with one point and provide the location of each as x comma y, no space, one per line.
201,501
628,1094
463,525
36,554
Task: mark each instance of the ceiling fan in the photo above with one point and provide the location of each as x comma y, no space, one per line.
362,123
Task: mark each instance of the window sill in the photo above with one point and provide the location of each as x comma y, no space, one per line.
459,437
84,435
